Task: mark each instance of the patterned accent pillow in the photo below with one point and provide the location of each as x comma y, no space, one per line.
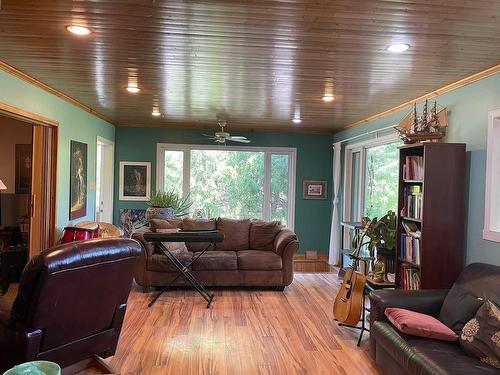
480,336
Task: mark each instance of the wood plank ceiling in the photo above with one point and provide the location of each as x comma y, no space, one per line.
255,62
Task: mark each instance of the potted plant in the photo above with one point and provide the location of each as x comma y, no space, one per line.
167,205
382,235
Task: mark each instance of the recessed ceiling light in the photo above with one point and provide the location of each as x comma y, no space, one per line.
156,113
398,47
328,98
297,120
78,30
133,89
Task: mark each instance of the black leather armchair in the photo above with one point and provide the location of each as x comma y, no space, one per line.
70,304
397,353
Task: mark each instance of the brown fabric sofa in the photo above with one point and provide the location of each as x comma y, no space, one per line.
253,253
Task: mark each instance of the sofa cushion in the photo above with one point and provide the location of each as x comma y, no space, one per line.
235,234
161,263
426,356
262,234
418,324
258,260
175,247
155,224
216,261
198,224
456,318
480,337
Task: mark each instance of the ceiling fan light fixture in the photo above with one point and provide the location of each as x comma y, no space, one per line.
133,89
398,47
78,30
328,98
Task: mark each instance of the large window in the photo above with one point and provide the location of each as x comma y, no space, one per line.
491,229
371,179
235,182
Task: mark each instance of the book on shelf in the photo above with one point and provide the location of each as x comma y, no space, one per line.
410,249
413,199
413,168
410,278
411,229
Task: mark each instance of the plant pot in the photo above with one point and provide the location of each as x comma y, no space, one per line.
163,213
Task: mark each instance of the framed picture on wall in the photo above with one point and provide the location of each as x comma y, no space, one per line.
23,168
78,180
314,190
135,180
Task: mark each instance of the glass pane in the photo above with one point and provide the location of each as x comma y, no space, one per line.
228,183
279,188
381,182
356,157
174,161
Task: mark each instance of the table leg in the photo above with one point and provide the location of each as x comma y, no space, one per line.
184,271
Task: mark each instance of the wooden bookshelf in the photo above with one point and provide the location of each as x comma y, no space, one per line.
441,215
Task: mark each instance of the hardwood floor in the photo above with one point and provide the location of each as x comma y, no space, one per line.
245,332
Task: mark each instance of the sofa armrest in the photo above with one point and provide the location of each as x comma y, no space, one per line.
287,261
282,239
147,247
427,301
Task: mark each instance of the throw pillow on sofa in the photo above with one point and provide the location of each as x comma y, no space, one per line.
454,317
480,337
418,324
263,233
198,224
175,247
155,224
235,234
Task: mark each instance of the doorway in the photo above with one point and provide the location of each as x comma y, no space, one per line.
38,185
105,160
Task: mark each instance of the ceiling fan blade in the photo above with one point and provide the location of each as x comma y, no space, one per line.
208,135
238,137
238,140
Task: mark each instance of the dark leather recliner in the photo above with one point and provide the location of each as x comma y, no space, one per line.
397,353
70,304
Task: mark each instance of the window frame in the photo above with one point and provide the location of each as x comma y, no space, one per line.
493,147
268,152
350,149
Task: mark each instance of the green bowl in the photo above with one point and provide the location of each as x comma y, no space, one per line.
35,368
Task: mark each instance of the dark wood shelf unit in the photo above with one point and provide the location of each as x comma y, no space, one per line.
443,210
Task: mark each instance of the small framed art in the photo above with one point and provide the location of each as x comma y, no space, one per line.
135,180
314,190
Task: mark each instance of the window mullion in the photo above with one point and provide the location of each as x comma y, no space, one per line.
186,169
267,186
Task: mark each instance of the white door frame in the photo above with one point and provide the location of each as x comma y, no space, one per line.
110,177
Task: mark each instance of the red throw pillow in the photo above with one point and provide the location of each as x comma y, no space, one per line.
418,324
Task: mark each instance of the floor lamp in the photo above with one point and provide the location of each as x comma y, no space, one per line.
2,187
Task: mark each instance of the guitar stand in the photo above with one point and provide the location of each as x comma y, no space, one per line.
363,327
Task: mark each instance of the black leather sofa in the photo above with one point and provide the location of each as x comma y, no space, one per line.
397,353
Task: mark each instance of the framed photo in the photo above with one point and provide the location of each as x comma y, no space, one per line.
135,180
78,180
23,168
314,190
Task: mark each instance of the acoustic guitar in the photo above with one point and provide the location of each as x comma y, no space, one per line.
348,304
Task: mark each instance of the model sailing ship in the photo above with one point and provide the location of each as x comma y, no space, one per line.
430,126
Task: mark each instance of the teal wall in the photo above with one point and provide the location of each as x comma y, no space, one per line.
314,162
468,117
74,124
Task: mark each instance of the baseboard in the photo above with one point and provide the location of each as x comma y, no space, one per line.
321,257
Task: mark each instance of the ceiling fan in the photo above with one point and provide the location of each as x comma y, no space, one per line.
222,136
